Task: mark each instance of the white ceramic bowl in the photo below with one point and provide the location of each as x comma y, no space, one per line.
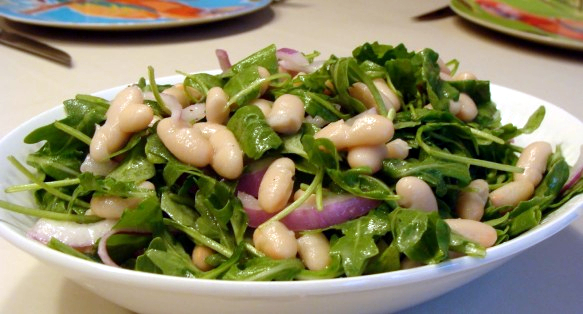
381,293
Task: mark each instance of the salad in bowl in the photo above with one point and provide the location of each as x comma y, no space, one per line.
283,167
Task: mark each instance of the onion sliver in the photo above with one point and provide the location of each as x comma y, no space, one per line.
102,247
576,171
337,209
250,180
76,235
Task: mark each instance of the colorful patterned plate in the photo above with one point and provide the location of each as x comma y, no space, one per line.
552,22
125,14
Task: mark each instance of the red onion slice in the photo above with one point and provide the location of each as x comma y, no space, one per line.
223,58
337,209
576,171
102,247
293,61
250,180
79,236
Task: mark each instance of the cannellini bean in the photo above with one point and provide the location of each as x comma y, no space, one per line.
367,156
217,108
471,201
414,193
287,114
512,193
275,240
475,231
389,97
365,129
109,138
185,142
276,186
299,193
98,168
314,250
227,158
397,149
462,76
263,104
199,255
533,159
184,96
361,92
135,117
263,73
467,108
112,207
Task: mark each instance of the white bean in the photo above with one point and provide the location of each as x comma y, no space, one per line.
275,240
276,186
263,73
390,99
263,104
199,255
314,250
287,114
217,108
533,159
227,158
367,156
462,76
109,138
361,92
397,149
467,108
184,96
135,117
475,231
186,143
471,201
112,207
414,193
512,193
365,129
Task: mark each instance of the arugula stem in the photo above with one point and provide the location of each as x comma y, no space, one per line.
467,160
154,88
45,186
34,186
199,237
40,213
73,132
297,203
487,136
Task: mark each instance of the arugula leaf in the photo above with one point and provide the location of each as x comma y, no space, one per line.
249,126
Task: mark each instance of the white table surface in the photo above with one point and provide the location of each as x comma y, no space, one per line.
545,278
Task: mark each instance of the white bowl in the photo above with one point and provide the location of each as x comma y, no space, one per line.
380,293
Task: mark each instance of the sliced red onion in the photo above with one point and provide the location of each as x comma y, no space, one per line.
223,58
102,247
78,236
293,60
336,209
576,171
98,168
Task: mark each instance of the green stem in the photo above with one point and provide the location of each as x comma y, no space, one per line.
34,186
45,186
73,132
297,203
487,136
48,214
155,91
